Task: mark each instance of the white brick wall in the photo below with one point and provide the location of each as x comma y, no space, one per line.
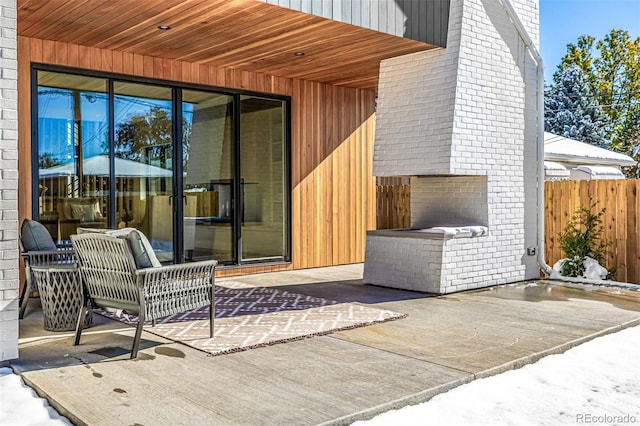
407,263
8,182
469,109
439,111
449,201
416,101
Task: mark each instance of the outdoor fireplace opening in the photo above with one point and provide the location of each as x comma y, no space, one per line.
445,207
455,206
444,246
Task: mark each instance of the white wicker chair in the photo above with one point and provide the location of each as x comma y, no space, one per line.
112,280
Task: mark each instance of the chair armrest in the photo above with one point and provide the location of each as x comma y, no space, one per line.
184,272
172,289
178,270
62,255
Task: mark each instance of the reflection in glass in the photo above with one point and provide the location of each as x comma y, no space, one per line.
73,162
262,156
234,194
143,140
207,142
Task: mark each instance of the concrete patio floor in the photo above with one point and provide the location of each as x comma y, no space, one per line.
336,379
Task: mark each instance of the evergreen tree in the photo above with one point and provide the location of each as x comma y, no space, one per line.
612,68
573,112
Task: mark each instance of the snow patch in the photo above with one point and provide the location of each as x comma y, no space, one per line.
596,380
592,269
21,406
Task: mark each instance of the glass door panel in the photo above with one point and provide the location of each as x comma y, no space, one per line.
143,146
263,183
73,153
233,159
208,176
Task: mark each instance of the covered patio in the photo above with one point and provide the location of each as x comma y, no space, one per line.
313,75
326,68
354,374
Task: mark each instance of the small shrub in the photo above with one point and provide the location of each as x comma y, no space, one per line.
581,238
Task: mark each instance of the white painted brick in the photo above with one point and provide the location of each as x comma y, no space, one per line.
9,179
468,109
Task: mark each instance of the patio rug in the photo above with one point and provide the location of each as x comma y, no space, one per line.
250,317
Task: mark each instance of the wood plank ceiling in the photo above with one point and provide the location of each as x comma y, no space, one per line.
240,34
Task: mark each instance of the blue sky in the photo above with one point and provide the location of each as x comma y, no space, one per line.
563,21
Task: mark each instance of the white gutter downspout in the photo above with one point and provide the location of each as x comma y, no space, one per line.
531,47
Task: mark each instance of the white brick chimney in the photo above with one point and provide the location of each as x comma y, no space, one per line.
461,122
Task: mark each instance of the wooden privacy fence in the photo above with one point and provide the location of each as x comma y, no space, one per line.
393,206
621,201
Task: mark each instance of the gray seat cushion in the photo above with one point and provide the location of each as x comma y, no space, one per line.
35,237
143,254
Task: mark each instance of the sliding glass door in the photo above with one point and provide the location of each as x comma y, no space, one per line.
208,172
201,172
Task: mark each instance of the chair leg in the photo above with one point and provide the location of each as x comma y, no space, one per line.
136,339
24,297
212,313
84,311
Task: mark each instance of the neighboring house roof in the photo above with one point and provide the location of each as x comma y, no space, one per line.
596,172
555,171
559,148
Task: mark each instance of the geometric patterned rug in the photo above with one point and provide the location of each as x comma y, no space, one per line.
250,317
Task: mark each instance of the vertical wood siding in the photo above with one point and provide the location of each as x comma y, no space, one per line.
421,20
333,190
333,187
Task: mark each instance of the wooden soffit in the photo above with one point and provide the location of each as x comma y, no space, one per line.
242,34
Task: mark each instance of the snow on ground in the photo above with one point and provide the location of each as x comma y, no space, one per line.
20,406
597,382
